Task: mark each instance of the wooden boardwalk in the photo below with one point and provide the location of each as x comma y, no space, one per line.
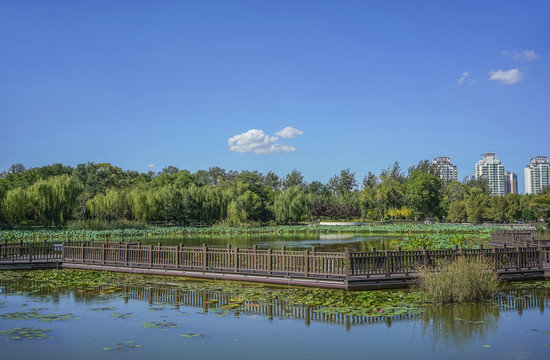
345,270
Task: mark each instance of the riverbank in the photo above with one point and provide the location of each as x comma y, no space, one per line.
40,234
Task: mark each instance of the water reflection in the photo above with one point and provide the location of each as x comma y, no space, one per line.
455,323
322,242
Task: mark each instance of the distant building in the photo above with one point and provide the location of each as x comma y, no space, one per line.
468,178
492,169
447,171
511,182
537,175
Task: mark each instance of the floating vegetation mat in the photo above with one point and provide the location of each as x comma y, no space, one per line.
162,325
29,333
34,314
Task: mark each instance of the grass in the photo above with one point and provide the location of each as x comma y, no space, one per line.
460,280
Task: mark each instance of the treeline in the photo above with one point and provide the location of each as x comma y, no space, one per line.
56,194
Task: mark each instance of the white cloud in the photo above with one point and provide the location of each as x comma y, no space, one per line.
508,77
525,55
463,77
258,142
289,132
150,166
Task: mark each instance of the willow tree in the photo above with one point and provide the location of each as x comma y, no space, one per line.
15,205
111,205
137,202
290,205
54,199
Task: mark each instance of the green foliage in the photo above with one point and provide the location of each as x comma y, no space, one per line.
54,195
541,206
476,205
291,205
460,280
424,195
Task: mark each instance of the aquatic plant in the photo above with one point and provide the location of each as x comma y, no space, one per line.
459,280
39,235
28,333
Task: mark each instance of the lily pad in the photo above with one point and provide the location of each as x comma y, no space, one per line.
29,333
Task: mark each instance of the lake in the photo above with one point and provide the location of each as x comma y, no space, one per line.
322,242
170,323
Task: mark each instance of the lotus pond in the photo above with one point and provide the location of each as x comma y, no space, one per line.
61,314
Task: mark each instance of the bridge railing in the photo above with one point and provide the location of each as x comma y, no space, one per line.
304,264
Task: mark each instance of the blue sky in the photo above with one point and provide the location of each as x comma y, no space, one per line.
361,84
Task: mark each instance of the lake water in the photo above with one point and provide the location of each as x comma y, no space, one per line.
322,242
166,323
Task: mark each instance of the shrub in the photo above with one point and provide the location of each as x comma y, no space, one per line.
459,280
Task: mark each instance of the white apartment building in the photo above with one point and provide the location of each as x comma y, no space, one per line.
492,169
537,175
447,171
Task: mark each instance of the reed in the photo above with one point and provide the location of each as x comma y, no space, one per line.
460,280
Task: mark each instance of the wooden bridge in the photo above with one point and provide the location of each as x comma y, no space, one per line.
346,270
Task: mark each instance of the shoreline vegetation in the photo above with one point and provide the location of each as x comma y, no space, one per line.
415,231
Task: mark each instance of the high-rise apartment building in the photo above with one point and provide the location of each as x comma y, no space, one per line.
492,169
447,171
537,175
511,182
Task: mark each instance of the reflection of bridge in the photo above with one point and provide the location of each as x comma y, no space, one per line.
346,270
511,300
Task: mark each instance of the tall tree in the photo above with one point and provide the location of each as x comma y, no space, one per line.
54,199
423,192
343,183
390,194
295,178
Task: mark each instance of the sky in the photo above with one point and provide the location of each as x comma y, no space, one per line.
318,86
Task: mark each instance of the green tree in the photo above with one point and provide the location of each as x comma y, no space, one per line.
457,211
343,183
390,193
290,205
54,199
476,205
295,178
497,209
423,192
541,205
15,205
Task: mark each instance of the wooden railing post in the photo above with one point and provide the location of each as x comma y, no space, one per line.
82,252
204,257
519,259
236,260
347,264
388,265
494,251
282,263
254,258
30,250
228,256
314,265
150,256
126,254
269,261
398,262
178,252
425,254
306,263
103,252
